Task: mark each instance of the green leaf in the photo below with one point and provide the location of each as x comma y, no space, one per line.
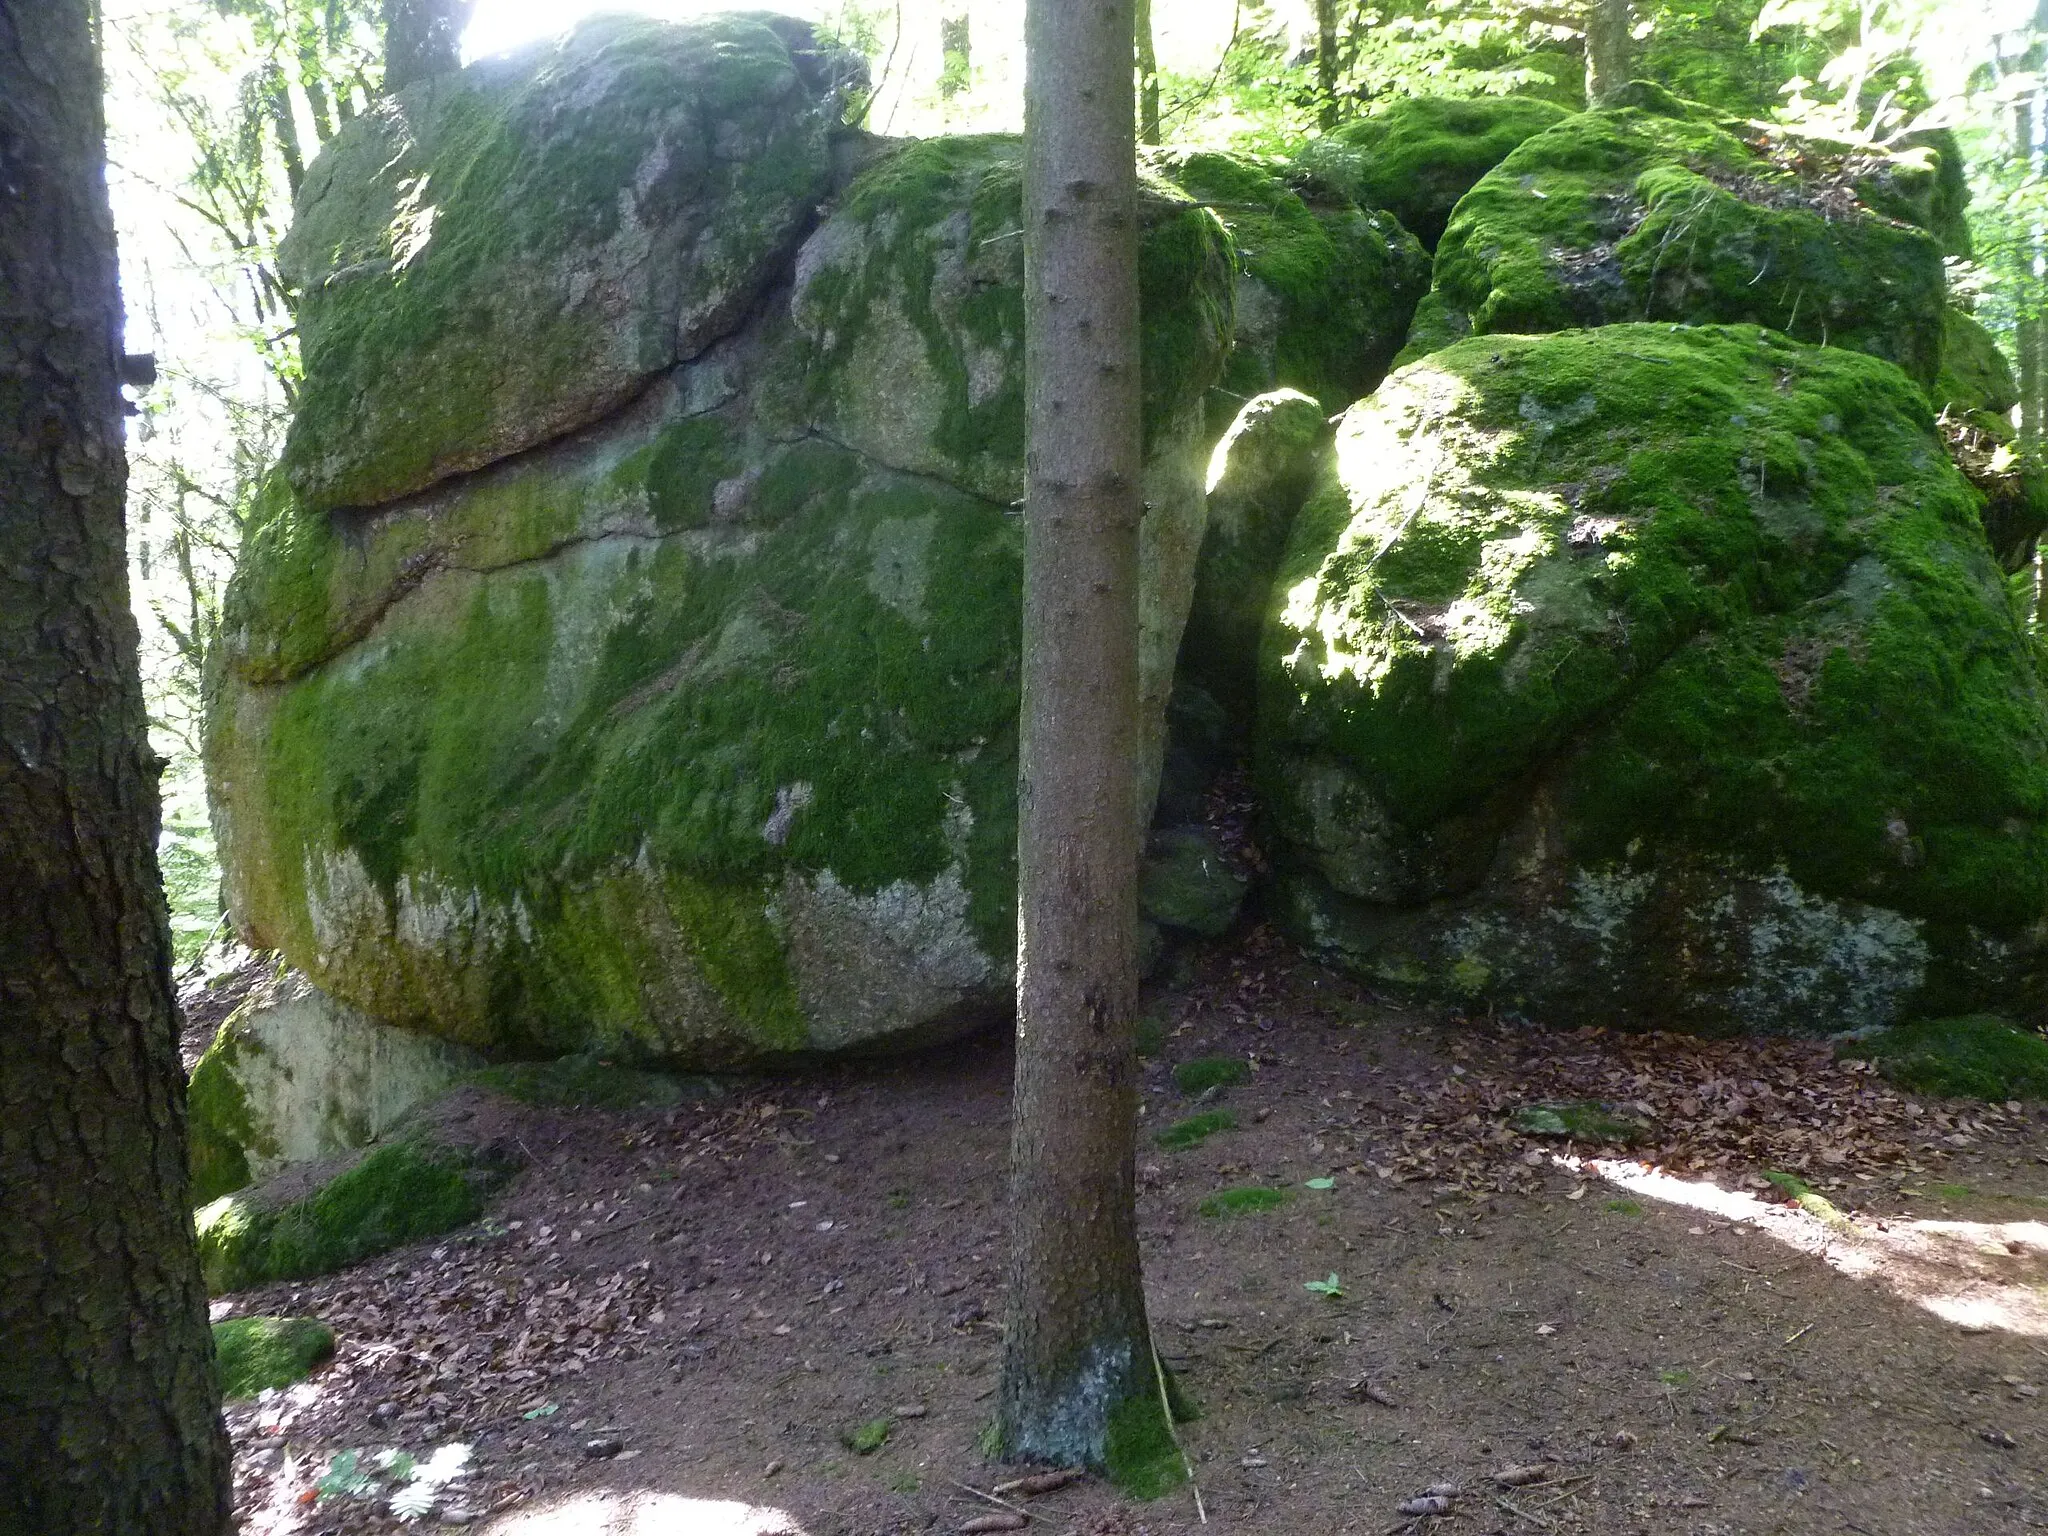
1319,1184
1333,1288
541,1412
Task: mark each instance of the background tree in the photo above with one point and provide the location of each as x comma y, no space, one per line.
109,1409
422,38
1607,49
1079,1380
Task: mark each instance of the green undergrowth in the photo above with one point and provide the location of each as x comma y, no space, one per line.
396,1194
254,1353
1206,1072
1195,1129
1244,1201
584,1082
866,1439
1976,1057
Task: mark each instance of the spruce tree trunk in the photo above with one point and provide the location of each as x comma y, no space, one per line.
1608,46
109,1410
1078,1380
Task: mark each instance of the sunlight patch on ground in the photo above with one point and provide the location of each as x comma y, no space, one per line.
606,1513
1978,1275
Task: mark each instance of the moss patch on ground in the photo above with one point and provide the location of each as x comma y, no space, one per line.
1206,1072
255,1353
1195,1130
1975,1057
1141,1455
396,1194
1243,1201
1584,1120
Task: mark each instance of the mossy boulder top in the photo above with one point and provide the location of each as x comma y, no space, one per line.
1658,212
1422,153
1657,673
495,256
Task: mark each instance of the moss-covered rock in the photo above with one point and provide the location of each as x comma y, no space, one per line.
1259,475
1186,883
319,1218
255,1354
691,736
1325,287
293,1076
1974,395
1977,1057
1657,675
495,256
1641,215
1420,154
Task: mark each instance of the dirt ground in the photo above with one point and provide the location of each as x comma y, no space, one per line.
676,1320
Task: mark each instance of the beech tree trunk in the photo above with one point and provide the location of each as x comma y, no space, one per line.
1608,46
1078,1370
109,1407
1326,63
422,38
1148,75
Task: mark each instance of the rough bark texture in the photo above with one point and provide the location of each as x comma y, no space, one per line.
109,1410
422,38
1607,49
1077,1349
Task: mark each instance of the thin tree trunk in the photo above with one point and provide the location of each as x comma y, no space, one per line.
1148,75
1326,63
1608,46
109,1408
1078,1371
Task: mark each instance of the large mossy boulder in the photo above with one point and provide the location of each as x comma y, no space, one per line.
690,733
1421,154
1658,212
495,256
1657,675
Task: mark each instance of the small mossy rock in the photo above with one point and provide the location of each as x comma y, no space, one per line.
1974,376
1420,154
1186,883
1976,1057
318,1218
293,1076
691,736
1325,287
1634,215
1259,475
500,254
256,1354
1586,1120
1661,676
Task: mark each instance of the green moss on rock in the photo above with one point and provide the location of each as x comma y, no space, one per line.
1976,1057
496,256
1632,215
396,1194
219,1129
1421,154
254,1354
1670,609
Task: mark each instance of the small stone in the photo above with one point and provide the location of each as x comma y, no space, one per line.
385,1412
603,1448
909,1411
771,1469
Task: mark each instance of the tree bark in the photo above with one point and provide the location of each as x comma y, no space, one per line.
1608,46
1326,63
1078,1371
109,1408
1148,74
422,38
